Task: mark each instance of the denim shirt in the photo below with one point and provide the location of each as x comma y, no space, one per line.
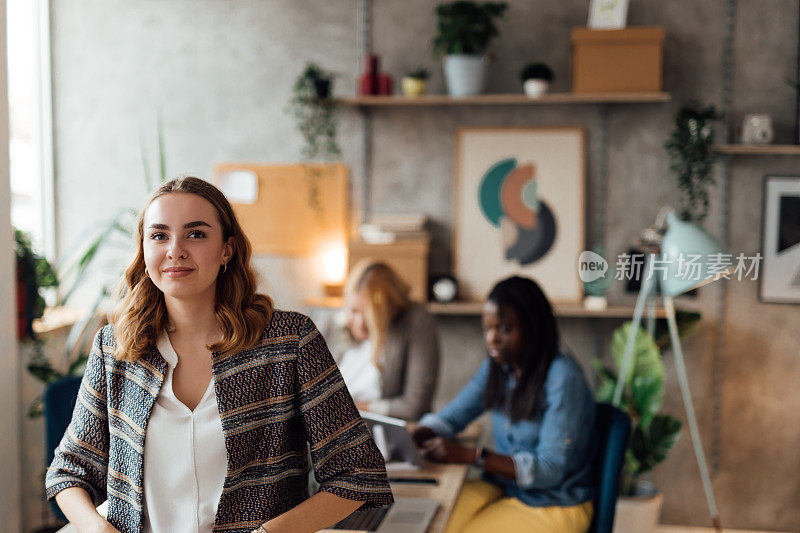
552,453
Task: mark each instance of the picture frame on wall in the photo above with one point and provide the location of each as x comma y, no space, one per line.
519,209
779,280
607,14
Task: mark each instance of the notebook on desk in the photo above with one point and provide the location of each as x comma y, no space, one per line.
405,515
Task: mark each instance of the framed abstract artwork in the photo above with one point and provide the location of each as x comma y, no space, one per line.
519,209
780,240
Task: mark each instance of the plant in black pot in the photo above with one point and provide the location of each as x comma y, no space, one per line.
464,32
315,112
536,78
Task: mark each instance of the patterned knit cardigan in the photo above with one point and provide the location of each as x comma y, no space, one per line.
276,400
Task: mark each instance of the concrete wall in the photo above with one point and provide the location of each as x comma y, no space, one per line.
220,73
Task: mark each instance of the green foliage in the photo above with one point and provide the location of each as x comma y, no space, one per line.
419,73
687,322
315,117
536,71
466,27
654,433
692,159
77,268
35,273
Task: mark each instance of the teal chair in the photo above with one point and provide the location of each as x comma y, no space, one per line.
613,429
59,402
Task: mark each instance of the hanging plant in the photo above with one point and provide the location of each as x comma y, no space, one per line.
315,113
692,159
317,121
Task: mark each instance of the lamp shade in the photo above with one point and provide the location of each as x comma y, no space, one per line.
690,257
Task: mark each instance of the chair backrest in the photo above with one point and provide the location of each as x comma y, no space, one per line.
59,402
613,429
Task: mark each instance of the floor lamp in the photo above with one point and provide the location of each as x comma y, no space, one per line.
668,245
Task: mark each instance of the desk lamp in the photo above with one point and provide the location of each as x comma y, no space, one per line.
667,241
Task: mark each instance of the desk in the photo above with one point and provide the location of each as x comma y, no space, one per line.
450,476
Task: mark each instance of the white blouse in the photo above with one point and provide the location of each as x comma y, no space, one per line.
184,459
360,374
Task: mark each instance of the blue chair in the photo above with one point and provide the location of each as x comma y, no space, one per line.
59,402
613,429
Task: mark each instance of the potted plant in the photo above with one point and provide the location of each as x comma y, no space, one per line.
596,284
536,78
653,433
692,158
464,32
414,81
315,113
33,273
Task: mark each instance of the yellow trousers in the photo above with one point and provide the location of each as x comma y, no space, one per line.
481,508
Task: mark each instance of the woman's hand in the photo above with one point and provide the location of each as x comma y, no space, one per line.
443,450
421,434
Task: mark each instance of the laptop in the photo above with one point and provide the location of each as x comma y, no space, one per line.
393,440
405,515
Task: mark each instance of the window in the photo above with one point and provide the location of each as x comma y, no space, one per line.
30,117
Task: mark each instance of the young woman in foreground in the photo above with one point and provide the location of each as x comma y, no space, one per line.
199,400
538,476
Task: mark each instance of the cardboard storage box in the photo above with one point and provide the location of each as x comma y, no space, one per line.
627,60
409,257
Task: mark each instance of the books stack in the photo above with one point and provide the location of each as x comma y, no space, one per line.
389,228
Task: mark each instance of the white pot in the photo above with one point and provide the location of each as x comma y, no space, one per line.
535,88
465,74
638,514
595,303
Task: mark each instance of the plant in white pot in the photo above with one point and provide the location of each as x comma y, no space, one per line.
653,433
536,78
465,30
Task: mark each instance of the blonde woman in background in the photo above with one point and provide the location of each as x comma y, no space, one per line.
393,367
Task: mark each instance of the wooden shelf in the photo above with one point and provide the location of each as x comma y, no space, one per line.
505,99
561,310
56,318
758,149
474,309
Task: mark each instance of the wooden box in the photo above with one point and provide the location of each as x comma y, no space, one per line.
409,257
627,60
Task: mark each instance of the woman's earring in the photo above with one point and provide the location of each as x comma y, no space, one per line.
146,273
224,267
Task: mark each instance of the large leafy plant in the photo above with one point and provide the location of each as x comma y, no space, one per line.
466,27
654,433
81,264
690,150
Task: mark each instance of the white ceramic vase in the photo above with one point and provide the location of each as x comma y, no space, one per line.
465,74
534,88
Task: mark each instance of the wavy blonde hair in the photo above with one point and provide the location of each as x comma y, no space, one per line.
385,297
140,314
